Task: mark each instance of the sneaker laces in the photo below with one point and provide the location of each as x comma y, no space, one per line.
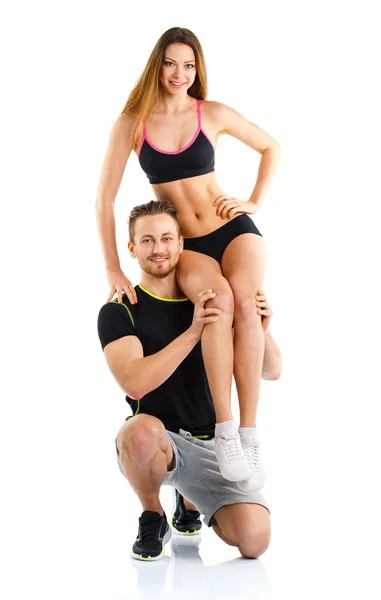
252,454
149,529
232,447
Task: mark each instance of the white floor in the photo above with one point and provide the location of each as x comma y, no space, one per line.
198,566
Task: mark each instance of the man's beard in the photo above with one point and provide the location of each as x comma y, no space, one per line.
150,270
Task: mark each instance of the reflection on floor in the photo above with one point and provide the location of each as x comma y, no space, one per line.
184,574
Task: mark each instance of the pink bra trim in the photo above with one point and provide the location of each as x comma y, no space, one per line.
199,128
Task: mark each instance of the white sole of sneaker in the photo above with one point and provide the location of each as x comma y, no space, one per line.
166,539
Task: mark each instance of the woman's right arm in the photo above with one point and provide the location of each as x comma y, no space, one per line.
118,151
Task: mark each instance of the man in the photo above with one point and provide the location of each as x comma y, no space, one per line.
153,350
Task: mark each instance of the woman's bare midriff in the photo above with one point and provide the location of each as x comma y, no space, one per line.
193,200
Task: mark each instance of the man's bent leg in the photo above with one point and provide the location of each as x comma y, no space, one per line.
145,454
246,526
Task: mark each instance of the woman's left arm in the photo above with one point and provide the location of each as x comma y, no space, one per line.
234,124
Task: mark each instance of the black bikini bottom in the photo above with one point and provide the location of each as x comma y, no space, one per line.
214,244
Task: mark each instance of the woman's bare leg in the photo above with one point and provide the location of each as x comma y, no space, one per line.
197,272
243,265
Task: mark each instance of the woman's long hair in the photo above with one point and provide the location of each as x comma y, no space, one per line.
145,96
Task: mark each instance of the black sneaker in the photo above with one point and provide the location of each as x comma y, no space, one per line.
184,521
153,534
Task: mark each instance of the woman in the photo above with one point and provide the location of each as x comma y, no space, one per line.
174,131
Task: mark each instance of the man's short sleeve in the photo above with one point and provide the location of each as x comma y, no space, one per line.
114,322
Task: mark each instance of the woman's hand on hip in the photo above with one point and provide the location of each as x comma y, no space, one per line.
227,207
119,283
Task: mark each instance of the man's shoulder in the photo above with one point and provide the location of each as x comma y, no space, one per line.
114,308
116,320
148,306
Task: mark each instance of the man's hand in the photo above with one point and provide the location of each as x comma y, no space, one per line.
201,315
264,309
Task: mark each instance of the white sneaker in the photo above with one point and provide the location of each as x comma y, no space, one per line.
231,458
256,480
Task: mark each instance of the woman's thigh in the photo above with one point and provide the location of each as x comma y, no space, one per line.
197,272
243,264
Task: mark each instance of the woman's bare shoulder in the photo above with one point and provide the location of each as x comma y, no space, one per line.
123,129
126,121
216,112
211,107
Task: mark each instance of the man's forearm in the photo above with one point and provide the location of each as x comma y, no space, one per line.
272,359
146,374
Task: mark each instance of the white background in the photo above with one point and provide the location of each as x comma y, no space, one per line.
305,72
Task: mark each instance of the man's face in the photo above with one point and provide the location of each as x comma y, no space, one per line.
157,244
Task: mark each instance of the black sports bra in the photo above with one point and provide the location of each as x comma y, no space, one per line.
160,166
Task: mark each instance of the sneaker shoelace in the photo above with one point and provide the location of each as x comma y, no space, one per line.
149,530
252,454
232,447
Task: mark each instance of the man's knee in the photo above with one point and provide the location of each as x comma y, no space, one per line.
140,437
255,542
247,527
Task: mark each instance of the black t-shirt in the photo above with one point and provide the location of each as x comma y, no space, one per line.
183,400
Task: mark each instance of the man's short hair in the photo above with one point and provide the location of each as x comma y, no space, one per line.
155,207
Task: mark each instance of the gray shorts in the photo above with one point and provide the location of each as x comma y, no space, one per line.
197,477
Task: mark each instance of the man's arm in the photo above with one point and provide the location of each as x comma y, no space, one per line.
138,374
272,359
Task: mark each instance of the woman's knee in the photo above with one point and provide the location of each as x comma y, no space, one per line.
224,300
245,309
140,436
